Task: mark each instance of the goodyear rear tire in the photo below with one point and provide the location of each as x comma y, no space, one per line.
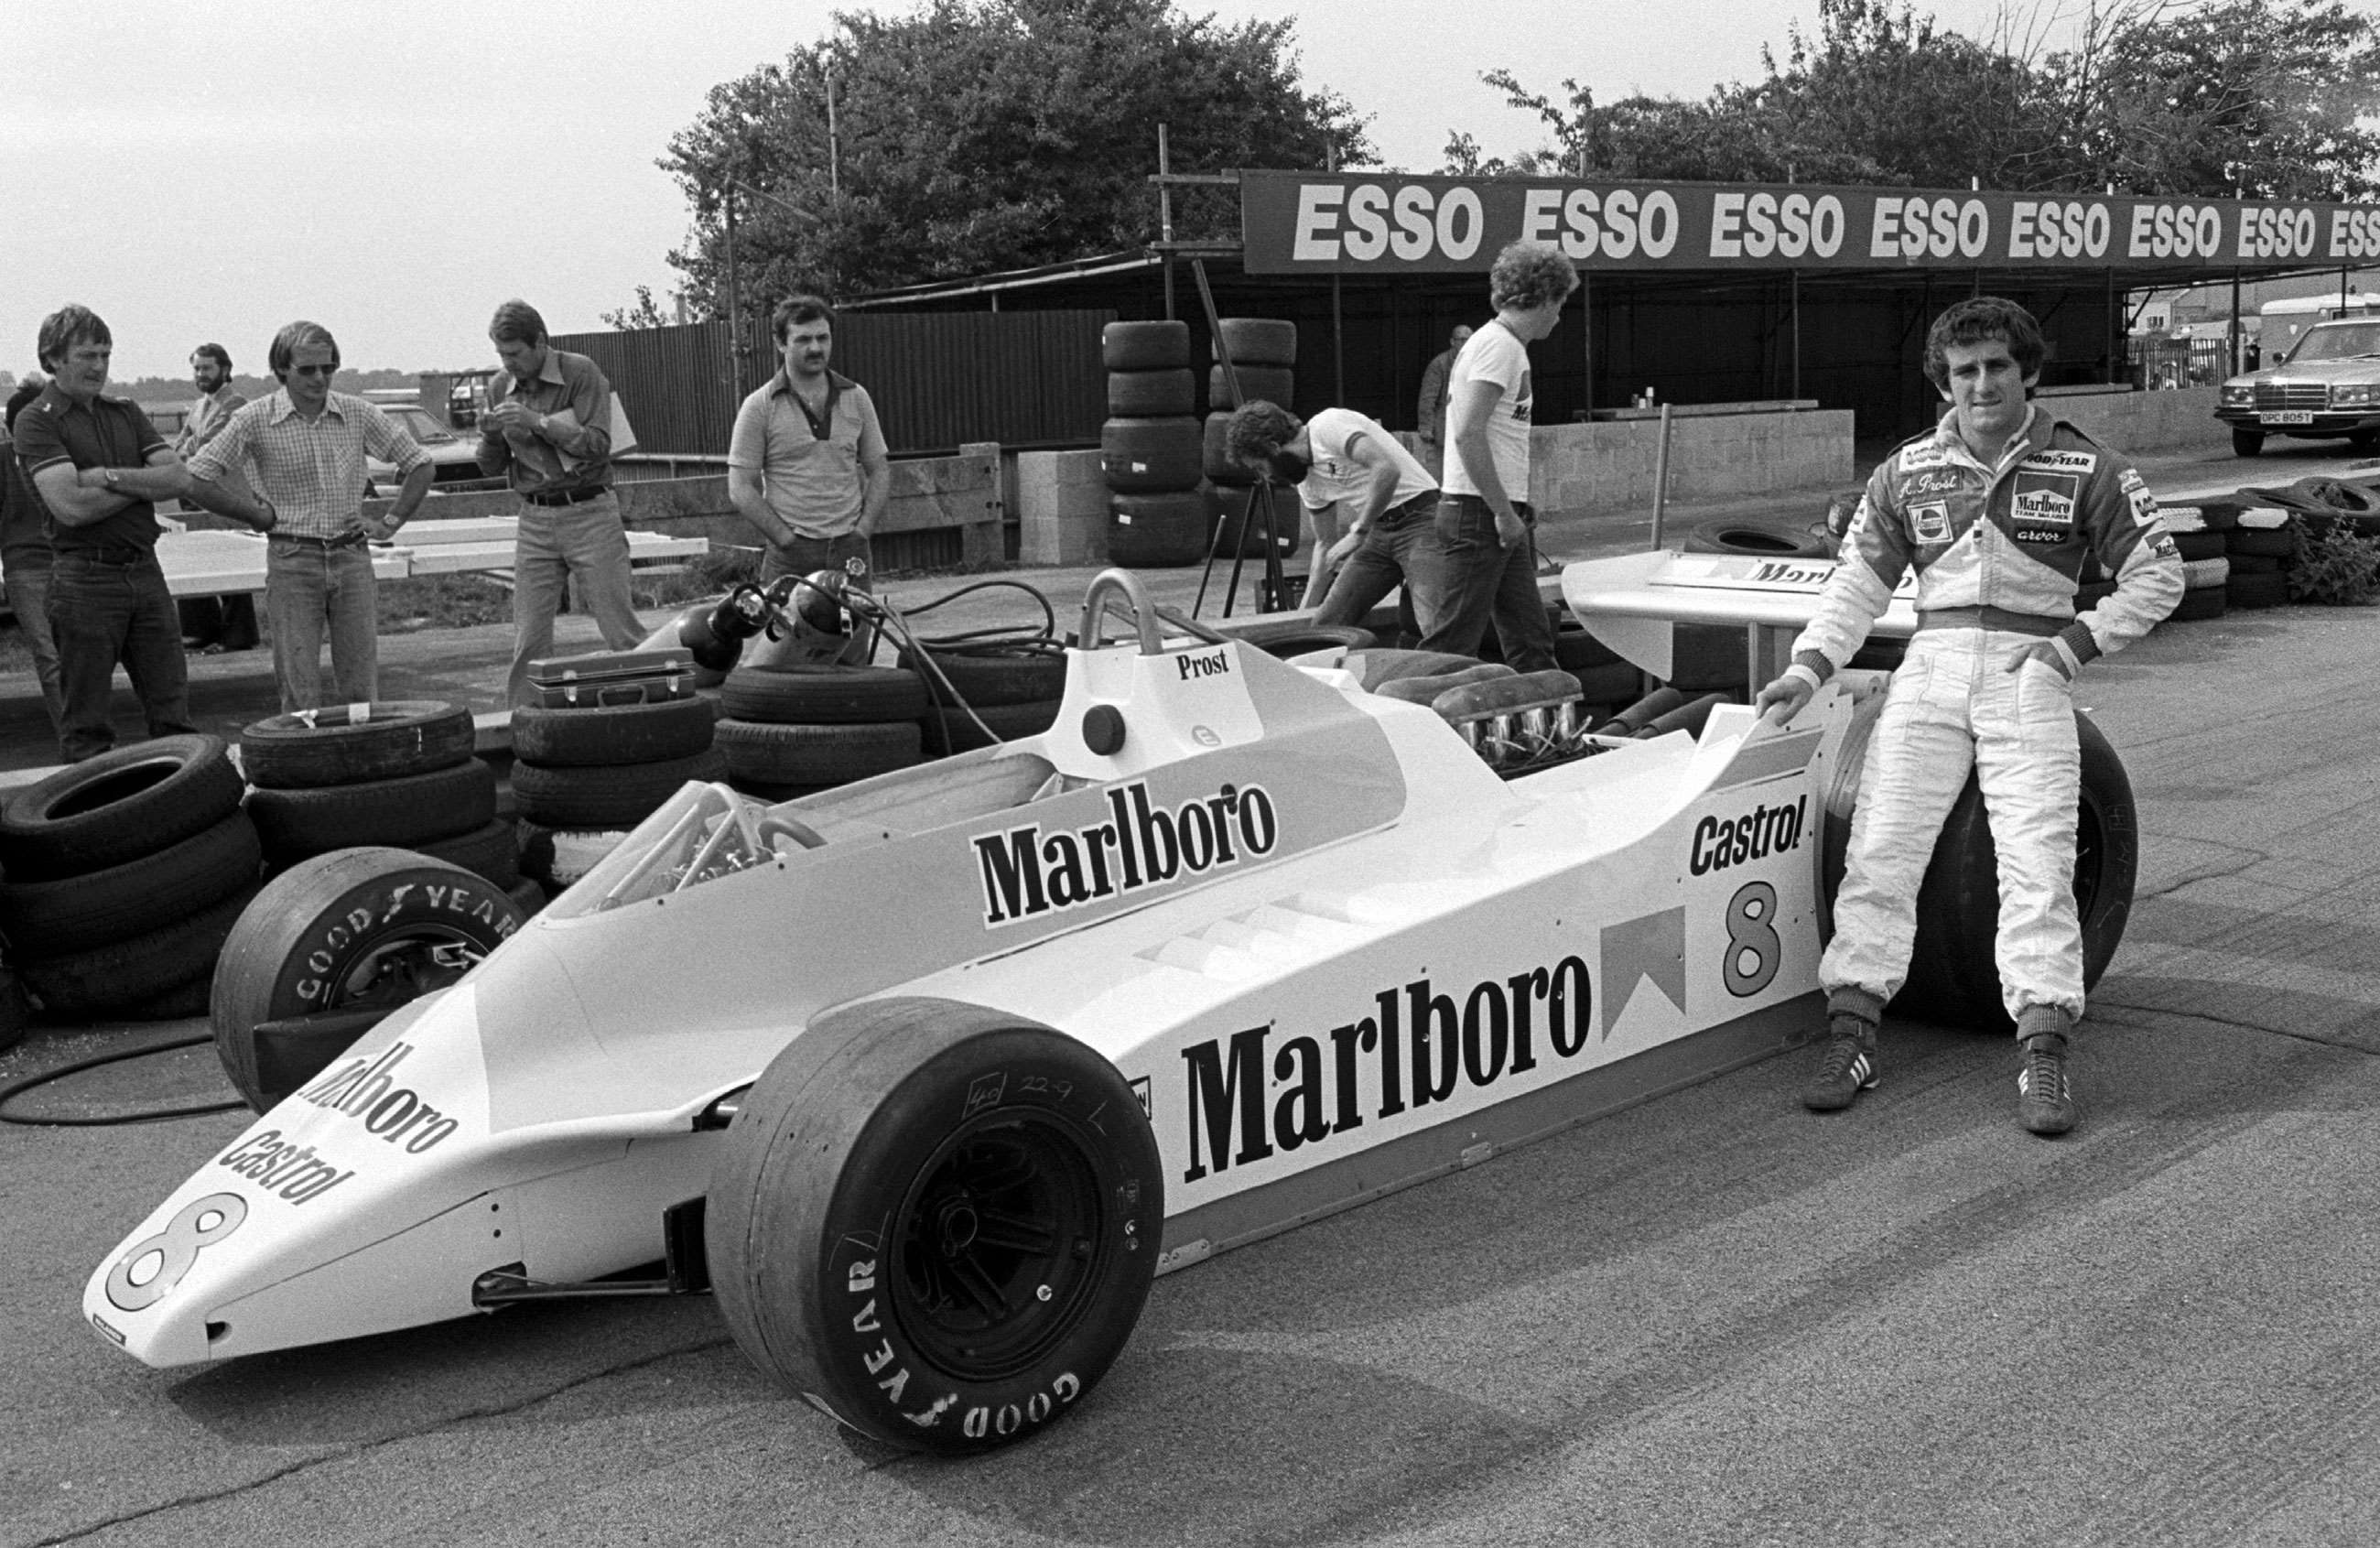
936,1223
1954,977
356,931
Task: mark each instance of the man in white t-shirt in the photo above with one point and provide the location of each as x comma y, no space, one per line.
1485,565
1347,470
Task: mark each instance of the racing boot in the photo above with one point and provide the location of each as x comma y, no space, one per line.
2044,1101
1847,1069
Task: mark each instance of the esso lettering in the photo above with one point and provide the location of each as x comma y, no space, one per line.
1944,228
1366,222
1620,223
2054,228
2355,233
1760,225
2272,232
2174,231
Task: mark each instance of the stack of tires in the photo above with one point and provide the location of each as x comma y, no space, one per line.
124,874
1013,689
400,775
2202,535
1149,447
792,731
1265,351
584,775
2257,548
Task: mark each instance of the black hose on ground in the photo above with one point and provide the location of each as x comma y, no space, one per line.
24,1084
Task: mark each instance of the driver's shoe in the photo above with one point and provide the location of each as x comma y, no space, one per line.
2044,1099
1847,1069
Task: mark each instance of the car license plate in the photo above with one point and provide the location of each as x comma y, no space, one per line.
2289,416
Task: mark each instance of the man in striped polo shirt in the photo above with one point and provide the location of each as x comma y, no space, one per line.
307,444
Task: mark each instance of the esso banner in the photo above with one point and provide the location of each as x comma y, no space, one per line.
1386,223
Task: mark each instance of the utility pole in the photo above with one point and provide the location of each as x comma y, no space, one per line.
833,138
734,302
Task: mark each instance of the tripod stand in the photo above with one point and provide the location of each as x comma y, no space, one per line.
1260,494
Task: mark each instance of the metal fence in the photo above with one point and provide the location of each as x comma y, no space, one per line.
2179,362
1025,378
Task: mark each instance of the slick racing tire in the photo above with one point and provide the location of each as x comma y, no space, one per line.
343,939
1150,455
1157,531
1152,394
345,744
1145,345
611,733
1759,539
117,807
1954,977
936,1223
76,913
1258,341
1259,384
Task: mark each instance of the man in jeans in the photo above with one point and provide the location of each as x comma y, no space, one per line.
1343,461
225,623
806,463
548,431
24,557
99,466
1487,563
307,444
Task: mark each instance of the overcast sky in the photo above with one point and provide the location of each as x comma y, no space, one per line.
208,171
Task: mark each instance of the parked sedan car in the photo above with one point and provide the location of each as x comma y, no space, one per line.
2329,384
455,458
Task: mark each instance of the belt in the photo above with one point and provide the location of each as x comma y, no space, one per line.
1998,619
566,496
344,540
119,558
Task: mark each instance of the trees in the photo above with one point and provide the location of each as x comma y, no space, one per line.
2264,98
978,135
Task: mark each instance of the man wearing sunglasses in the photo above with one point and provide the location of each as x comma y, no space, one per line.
307,445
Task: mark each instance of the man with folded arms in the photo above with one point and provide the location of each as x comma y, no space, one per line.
548,432
305,444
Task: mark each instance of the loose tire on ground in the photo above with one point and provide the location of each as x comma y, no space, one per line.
823,695
123,804
404,812
816,754
355,931
77,913
127,972
938,1224
1954,979
611,733
345,744
609,796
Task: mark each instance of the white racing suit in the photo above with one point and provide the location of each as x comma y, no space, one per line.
1997,551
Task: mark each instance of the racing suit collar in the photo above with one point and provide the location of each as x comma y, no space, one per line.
2031,436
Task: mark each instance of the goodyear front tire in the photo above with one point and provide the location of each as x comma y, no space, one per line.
935,1223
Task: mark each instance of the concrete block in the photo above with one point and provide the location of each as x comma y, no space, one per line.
1061,514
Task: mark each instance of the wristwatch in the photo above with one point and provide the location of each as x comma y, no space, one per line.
107,477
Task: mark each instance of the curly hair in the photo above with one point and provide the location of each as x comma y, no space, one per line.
1972,321
1529,275
1256,430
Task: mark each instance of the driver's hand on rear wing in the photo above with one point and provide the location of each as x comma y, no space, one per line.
1783,699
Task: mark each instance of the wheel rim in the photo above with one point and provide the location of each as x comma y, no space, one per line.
999,1245
395,970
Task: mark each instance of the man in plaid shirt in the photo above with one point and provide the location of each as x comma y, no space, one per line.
307,444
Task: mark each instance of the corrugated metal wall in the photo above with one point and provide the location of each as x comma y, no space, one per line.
1025,378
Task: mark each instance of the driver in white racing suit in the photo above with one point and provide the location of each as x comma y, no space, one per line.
1997,509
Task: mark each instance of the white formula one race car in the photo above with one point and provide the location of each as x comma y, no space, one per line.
928,1075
